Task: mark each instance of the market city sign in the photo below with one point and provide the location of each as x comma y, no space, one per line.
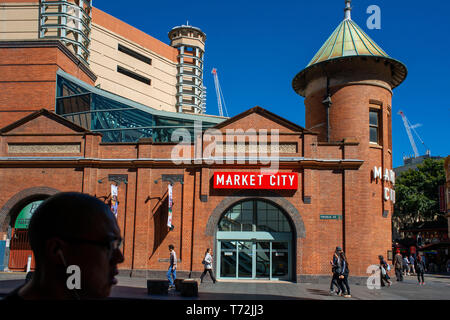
388,177
255,180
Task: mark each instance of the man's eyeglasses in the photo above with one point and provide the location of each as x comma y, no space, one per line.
111,245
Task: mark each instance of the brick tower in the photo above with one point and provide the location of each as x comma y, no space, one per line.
348,92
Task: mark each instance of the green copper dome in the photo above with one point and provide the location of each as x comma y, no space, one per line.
348,41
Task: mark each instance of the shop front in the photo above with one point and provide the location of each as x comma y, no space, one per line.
254,241
254,235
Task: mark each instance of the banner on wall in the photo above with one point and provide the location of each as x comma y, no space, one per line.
169,216
114,200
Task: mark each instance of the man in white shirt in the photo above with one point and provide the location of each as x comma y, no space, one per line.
172,272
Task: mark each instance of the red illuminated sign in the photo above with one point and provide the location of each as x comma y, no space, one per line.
255,180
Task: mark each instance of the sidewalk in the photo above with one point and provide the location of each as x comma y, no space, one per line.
437,288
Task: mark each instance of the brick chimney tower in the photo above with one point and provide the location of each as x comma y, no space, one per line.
348,88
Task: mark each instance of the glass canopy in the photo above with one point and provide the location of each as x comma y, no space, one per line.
119,119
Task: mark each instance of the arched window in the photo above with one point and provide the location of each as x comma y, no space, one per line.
254,215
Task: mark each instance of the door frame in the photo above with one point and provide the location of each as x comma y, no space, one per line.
253,237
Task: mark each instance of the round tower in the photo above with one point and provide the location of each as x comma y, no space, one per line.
190,42
70,22
348,88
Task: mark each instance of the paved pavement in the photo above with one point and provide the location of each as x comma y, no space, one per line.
437,288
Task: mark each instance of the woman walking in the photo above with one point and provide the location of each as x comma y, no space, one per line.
420,269
384,272
336,266
343,277
207,262
405,266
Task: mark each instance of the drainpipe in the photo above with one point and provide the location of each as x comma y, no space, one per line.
343,211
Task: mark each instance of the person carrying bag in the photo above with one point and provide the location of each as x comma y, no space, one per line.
207,262
384,275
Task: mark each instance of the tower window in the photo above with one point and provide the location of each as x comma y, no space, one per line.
374,124
389,120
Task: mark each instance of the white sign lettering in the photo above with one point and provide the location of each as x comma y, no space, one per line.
389,176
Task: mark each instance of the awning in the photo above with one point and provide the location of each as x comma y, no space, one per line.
24,217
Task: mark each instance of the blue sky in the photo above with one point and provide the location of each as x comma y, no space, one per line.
259,46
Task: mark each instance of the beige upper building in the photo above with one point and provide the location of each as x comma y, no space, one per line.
19,20
126,61
132,64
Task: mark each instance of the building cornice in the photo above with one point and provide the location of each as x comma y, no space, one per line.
213,163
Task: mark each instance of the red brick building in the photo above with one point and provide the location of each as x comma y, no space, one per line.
341,168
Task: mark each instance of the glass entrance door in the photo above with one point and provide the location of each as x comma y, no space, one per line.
280,260
245,259
262,260
228,259
256,259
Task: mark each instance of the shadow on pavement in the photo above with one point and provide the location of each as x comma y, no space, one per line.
127,293
6,286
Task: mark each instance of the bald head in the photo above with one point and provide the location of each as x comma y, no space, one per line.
67,214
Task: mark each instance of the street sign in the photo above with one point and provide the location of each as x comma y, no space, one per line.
330,217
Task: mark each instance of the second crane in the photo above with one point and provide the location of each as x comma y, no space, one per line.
220,98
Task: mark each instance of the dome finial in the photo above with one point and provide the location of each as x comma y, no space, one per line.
348,10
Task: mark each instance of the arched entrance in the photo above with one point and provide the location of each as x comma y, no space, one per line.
255,240
14,220
20,248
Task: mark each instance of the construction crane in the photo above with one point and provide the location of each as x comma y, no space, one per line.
408,128
219,93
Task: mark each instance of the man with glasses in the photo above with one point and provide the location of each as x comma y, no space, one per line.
72,229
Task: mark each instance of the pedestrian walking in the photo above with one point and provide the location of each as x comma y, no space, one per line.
420,269
406,265
424,262
207,262
384,272
336,271
398,266
172,272
343,277
411,264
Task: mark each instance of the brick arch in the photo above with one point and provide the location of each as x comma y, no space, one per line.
285,205
20,198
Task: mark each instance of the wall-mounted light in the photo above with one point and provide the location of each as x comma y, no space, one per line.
172,178
117,178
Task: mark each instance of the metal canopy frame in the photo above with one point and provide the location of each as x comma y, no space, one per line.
117,118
